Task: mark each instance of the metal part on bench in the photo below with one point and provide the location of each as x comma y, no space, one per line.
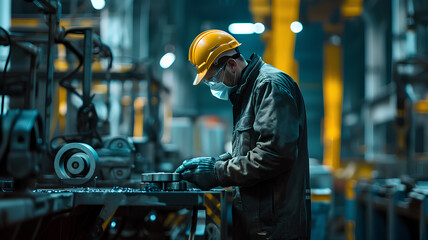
162,182
75,163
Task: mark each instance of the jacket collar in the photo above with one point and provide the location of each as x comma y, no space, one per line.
249,74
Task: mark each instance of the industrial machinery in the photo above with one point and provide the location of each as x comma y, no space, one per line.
20,150
81,184
75,163
117,157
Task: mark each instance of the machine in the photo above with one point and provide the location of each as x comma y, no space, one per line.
84,184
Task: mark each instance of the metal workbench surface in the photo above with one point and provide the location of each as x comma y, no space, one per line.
135,197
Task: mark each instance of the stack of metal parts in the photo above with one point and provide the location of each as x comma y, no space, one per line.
162,182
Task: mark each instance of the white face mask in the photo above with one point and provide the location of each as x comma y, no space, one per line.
219,89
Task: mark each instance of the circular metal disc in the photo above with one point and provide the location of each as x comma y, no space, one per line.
162,177
175,177
60,162
76,163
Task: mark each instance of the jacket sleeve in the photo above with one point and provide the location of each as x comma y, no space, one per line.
276,124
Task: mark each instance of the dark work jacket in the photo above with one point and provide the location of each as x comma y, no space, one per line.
270,166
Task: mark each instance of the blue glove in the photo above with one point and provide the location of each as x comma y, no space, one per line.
199,171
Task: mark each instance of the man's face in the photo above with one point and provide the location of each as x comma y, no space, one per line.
223,74
214,75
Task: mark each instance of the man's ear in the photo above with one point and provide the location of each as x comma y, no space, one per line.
232,64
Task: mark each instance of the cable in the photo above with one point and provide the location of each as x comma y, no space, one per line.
4,70
75,137
62,81
103,51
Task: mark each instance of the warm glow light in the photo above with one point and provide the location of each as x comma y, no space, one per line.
296,27
167,60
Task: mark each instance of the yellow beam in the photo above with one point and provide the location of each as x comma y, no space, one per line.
321,197
280,40
62,111
139,104
260,9
65,22
333,95
352,8
25,22
421,106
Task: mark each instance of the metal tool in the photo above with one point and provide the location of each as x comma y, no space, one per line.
75,163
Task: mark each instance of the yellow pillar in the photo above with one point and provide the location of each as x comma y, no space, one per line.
333,95
280,40
61,65
139,104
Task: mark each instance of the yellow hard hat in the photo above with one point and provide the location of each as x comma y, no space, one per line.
206,47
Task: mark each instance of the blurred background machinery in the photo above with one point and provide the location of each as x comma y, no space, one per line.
98,109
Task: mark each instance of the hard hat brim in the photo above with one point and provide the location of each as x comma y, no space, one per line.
199,77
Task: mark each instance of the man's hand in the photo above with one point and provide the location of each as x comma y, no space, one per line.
199,171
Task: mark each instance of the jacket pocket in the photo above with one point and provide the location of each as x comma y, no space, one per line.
243,131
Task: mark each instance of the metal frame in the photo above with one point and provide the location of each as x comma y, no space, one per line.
87,66
21,208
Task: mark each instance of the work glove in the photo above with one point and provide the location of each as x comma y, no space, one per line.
199,171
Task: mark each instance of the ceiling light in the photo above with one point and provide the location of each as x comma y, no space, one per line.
167,60
241,28
296,27
98,4
246,28
259,28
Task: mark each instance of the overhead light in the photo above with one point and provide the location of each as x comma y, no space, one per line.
98,4
113,224
296,27
335,40
241,28
167,60
259,28
246,28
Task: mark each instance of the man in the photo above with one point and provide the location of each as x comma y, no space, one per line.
269,164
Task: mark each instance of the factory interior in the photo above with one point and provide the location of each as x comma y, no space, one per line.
98,109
